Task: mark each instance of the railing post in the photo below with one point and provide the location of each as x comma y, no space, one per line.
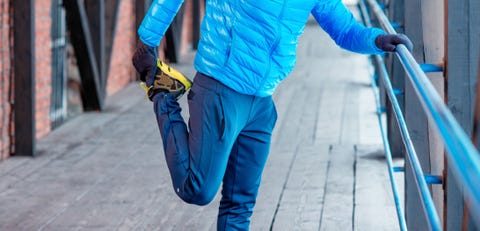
416,120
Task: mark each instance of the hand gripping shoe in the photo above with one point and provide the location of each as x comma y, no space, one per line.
168,80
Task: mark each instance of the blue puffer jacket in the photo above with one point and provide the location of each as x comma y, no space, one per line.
250,45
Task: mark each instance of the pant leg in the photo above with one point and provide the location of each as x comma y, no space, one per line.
197,158
245,167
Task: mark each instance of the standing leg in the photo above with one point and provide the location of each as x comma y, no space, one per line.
245,167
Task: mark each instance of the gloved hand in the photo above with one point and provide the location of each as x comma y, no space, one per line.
388,42
145,62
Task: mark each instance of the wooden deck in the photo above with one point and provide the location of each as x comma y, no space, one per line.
106,171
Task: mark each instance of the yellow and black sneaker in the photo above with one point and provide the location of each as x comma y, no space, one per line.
169,80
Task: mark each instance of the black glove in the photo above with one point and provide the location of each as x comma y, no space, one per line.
145,62
388,42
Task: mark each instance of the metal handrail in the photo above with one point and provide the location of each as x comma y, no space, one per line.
388,154
462,155
425,196
419,178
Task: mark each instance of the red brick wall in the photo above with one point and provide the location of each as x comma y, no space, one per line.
121,70
120,74
42,73
43,66
6,89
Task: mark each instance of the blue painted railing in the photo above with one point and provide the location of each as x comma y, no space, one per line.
462,156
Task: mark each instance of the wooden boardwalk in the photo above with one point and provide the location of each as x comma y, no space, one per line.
106,171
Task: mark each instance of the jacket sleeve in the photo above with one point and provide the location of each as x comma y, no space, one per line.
342,27
157,20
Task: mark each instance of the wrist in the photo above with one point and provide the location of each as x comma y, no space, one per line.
378,41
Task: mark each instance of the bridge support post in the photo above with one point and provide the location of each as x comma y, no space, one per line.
462,52
24,72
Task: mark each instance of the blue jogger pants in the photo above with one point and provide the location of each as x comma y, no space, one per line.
228,139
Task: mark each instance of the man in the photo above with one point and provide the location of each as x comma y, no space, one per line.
247,47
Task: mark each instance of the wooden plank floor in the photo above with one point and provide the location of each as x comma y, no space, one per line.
106,171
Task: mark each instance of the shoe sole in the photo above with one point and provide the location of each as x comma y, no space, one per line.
170,71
